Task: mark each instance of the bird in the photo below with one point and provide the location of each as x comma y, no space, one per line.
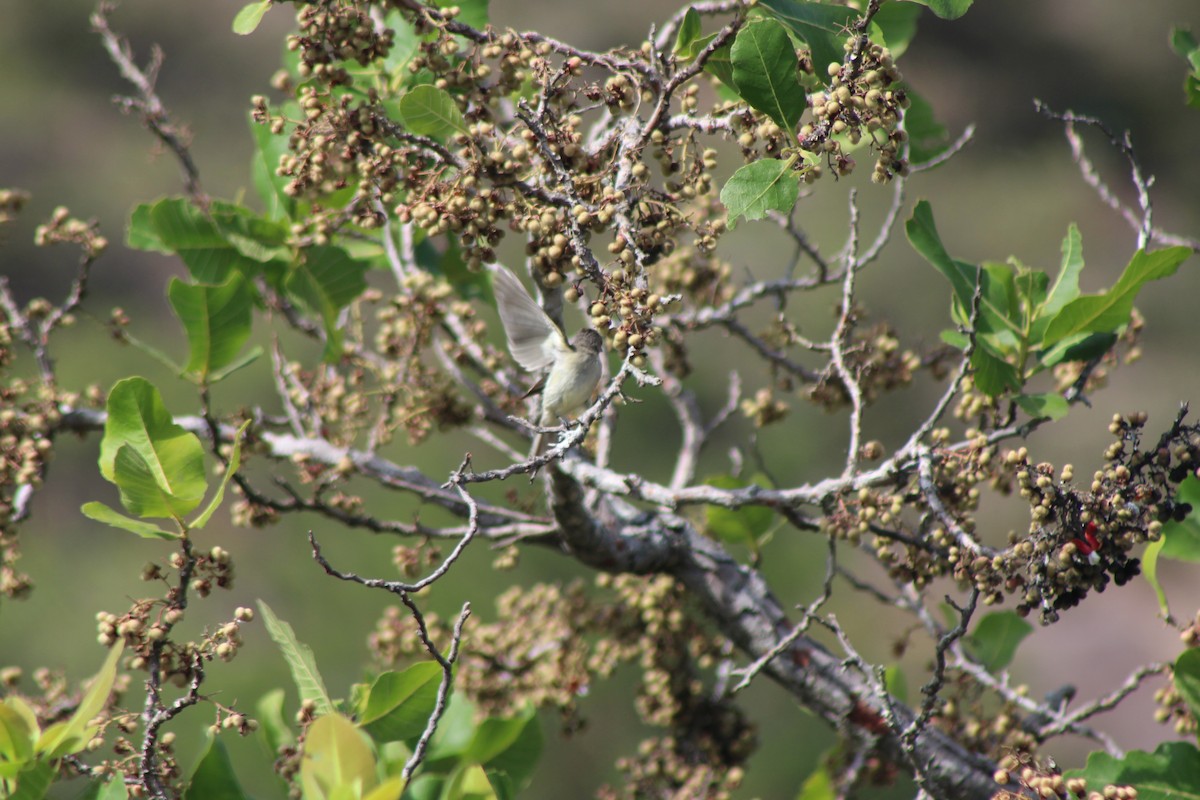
538,344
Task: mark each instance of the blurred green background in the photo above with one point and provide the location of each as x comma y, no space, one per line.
1012,192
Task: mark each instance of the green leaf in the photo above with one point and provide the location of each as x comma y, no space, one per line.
898,24
325,280
1037,406
33,782
268,147
746,525
1181,540
996,637
1150,571
1107,311
992,374
248,18
141,492
300,661
455,731
687,36
216,320
470,782
766,185
390,789
18,731
173,457
174,225
336,755
430,111
896,683
1185,45
1187,679
398,704
512,745
115,789
271,724
73,734
995,305
1169,773
235,461
927,138
147,530
946,9
720,65
821,27
765,72
214,778
1066,283
818,785
1081,347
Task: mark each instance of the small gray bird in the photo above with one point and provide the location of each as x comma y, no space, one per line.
537,344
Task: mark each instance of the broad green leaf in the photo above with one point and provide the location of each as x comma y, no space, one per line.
390,789
455,731
924,238
33,781
216,320
1107,311
72,735
1184,43
162,472
325,280
688,34
746,525
114,789
336,755
994,304
1081,347
1187,678
271,724
398,704
142,493
896,683
1169,773
214,777
991,373
300,661
18,731
822,27
268,147
1181,540
248,18
927,138
147,530
1150,571
235,461
766,185
470,782
946,9
430,111
898,24
765,72
502,784
996,637
1050,405
818,785
174,225
512,745
720,65
1066,283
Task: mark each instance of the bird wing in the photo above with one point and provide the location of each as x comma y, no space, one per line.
533,338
